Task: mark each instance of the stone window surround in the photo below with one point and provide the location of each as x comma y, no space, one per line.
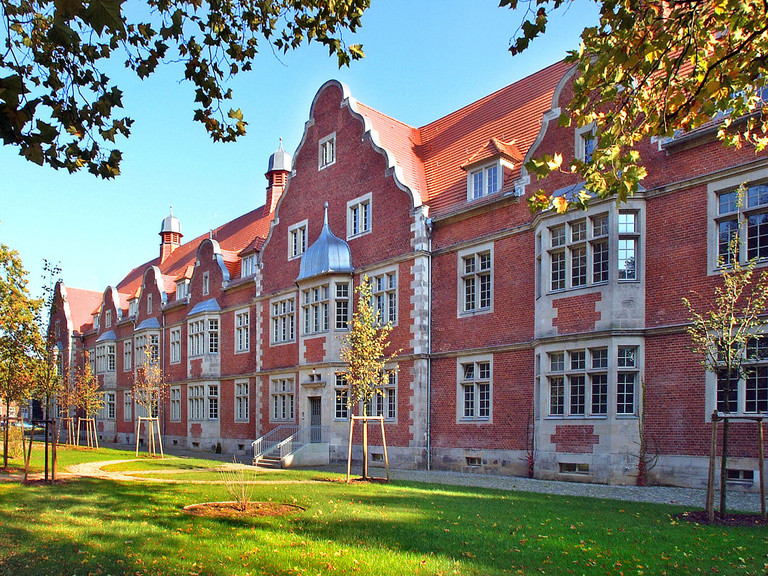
460,280
460,362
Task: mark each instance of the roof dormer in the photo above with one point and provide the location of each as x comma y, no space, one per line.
485,168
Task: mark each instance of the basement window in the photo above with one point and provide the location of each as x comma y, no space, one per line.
740,476
474,461
573,468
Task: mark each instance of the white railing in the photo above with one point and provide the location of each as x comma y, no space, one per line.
272,438
307,435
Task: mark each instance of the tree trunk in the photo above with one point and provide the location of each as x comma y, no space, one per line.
7,430
724,468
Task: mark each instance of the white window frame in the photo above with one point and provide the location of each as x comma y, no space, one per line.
385,294
175,345
740,213
248,266
141,341
282,399
467,277
756,368
384,401
127,406
478,415
242,330
283,319
110,405
359,216
297,239
584,146
242,401
212,404
586,240
133,306
341,398
206,283
203,336
182,289
96,321
108,319
326,151
149,303
316,309
484,180
196,400
175,403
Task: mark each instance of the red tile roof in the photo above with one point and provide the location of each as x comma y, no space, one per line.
431,157
232,237
81,304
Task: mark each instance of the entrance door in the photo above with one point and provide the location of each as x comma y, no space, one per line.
315,419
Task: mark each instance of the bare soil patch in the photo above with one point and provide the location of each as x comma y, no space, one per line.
233,509
700,517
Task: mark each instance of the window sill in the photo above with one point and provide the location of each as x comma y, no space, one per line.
353,236
471,313
475,421
282,343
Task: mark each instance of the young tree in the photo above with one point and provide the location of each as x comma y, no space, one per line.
18,333
88,397
363,350
149,392
656,68
60,108
723,332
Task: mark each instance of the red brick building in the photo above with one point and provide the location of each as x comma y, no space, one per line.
518,334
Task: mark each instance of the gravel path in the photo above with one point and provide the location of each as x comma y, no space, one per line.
690,498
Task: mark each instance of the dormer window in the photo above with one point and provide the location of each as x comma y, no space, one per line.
248,266
484,180
133,307
327,151
182,289
95,321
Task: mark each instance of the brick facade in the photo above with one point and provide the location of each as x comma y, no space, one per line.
516,332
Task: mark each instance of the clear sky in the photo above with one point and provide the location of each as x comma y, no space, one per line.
424,59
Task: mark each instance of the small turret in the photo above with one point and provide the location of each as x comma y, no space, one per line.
279,167
170,233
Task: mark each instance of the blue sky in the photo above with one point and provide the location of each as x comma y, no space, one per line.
424,59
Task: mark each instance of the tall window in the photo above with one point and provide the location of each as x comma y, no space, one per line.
578,253
341,398
628,239
182,289
626,380
283,391
105,358
314,307
127,406
213,402
475,391
175,344
110,402
578,382
385,296
283,320
206,283
586,142
196,394
326,151
747,211
175,394
476,281
342,305
108,319
484,181
241,401
359,216
149,303
297,239
242,331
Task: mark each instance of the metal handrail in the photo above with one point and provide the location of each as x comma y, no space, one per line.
268,441
307,435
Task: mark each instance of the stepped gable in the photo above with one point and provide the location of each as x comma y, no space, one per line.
233,237
81,305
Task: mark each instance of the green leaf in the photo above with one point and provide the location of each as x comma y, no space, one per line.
101,14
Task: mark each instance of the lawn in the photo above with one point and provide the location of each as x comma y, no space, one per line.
94,526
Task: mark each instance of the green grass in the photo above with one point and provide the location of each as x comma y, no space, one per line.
92,526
